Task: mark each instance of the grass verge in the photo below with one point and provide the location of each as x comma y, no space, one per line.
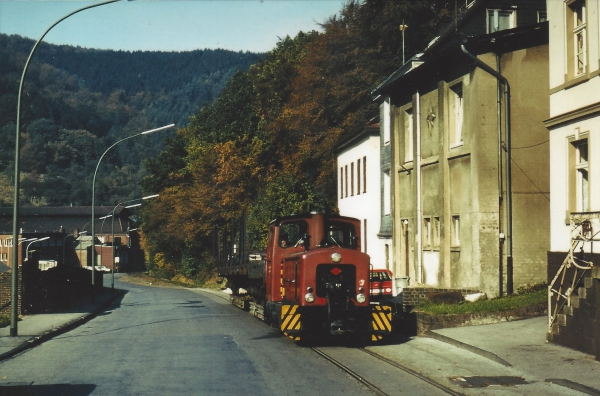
527,298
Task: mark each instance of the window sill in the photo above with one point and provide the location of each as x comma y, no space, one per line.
407,167
573,81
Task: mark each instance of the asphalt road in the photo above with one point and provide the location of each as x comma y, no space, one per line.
173,341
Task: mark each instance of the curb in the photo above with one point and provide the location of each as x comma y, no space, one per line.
470,348
37,340
575,386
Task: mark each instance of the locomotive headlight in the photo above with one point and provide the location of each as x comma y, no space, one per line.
361,298
336,257
309,297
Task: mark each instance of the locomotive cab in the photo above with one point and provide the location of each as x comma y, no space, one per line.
312,280
326,283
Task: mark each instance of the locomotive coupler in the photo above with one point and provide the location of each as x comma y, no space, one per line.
337,328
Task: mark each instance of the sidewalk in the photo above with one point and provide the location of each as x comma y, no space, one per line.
34,329
513,357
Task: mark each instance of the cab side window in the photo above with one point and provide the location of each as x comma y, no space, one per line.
291,233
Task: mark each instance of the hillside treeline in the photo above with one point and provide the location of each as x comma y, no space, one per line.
265,145
77,102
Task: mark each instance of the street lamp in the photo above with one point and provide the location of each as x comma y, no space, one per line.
94,196
15,267
29,244
402,29
112,263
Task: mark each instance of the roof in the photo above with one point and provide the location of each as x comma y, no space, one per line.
371,129
444,51
62,218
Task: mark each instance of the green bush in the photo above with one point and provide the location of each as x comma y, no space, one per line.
4,321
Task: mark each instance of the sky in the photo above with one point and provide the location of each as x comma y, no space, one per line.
167,25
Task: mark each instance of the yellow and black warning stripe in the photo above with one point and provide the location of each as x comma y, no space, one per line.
290,321
382,321
281,287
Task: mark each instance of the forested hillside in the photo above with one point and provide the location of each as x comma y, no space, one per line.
77,102
265,145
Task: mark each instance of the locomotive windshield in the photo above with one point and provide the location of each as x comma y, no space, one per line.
340,234
291,233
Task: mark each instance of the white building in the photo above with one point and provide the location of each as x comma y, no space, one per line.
574,132
574,122
360,192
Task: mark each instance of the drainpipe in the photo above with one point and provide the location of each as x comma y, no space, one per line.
500,223
418,182
504,81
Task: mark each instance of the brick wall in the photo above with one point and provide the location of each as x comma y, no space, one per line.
5,292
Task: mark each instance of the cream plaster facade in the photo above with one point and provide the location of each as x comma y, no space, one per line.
449,157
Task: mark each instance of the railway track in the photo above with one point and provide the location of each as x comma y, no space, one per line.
374,385
376,389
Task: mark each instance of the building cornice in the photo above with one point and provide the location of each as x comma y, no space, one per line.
580,114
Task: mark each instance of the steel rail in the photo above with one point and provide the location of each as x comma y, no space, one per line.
350,372
413,373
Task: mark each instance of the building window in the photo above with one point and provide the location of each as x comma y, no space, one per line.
456,114
542,16
427,232
346,180
408,141
387,206
579,181
358,176
500,20
342,182
455,230
352,179
364,174
385,121
576,30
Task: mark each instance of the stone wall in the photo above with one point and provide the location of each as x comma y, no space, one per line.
427,322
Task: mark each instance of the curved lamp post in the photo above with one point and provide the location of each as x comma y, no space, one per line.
15,266
94,197
29,244
112,263
64,245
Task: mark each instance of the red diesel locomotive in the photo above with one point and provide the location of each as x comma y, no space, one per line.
313,280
